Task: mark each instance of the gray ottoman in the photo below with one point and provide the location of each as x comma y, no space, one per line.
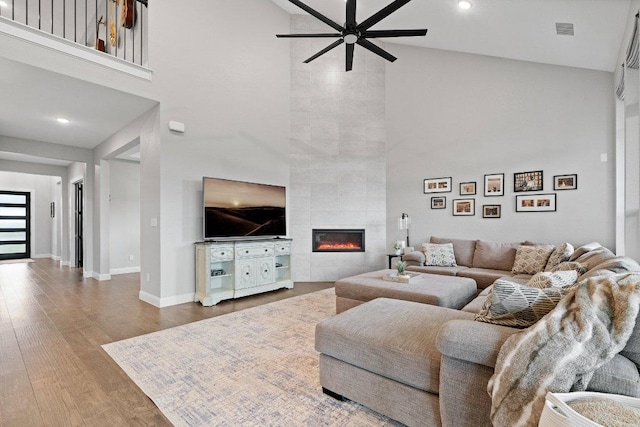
382,354
434,289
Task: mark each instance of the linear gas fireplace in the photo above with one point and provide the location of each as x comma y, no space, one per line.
327,240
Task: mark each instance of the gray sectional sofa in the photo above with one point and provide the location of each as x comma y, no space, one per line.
425,365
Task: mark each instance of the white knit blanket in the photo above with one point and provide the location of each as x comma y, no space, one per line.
561,352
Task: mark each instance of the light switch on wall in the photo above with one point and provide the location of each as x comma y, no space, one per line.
603,157
154,222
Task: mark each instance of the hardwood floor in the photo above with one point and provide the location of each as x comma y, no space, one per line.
53,371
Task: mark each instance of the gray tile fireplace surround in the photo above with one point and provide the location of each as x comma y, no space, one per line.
337,155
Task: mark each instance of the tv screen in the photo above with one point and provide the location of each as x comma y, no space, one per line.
242,209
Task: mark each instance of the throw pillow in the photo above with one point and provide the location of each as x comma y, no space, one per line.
519,306
531,259
440,255
561,254
570,265
559,279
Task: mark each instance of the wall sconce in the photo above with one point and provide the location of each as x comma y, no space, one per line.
403,224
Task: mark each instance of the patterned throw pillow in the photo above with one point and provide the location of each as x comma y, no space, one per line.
531,259
519,306
561,254
559,279
570,265
440,255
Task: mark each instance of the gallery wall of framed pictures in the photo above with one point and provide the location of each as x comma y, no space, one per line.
528,190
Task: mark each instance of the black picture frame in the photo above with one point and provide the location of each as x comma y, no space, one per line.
468,188
565,182
464,207
528,181
536,202
435,202
491,211
494,185
437,185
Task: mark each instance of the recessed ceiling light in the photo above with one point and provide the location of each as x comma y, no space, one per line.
62,120
4,4
465,4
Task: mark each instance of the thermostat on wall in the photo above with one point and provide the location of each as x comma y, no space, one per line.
176,126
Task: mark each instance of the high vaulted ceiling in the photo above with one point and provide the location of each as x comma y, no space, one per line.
515,29
32,98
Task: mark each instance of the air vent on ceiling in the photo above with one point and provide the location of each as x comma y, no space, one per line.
564,28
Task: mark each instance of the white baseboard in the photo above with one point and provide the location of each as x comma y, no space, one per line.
124,270
66,264
166,302
42,256
99,277
56,257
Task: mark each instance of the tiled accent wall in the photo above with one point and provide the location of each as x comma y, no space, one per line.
338,166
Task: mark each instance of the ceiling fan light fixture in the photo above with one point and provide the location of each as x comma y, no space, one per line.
465,4
350,38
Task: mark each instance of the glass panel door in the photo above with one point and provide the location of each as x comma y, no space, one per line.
14,225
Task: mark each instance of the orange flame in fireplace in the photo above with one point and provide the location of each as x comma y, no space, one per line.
334,245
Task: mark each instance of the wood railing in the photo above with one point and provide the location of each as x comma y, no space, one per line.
115,27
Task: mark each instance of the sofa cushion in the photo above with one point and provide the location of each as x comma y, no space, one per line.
392,338
558,279
484,276
475,305
531,259
595,257
445,271
494,255
510,304
559,255
570,265
439,254
618,376
463,249
414,258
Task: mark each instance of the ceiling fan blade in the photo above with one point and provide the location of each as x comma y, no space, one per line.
380,15
309,35
375,49
393,33
349,57
325,50
351,14
318,15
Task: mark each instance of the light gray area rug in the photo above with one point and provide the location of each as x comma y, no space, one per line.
255,367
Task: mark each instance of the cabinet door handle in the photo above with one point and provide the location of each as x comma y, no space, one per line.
247,273
266,250
246,252
221,253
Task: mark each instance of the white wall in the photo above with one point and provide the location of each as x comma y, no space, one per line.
234,100
124,217
42,189
462,116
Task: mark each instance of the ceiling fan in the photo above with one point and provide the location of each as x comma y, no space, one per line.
353,33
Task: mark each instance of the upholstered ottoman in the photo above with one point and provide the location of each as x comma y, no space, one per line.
383,354
434,289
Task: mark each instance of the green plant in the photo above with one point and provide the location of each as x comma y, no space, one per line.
401,266
397,246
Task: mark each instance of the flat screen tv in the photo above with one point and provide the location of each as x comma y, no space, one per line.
235,209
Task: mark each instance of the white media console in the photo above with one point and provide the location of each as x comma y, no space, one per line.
234,269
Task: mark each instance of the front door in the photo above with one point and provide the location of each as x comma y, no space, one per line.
15,217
